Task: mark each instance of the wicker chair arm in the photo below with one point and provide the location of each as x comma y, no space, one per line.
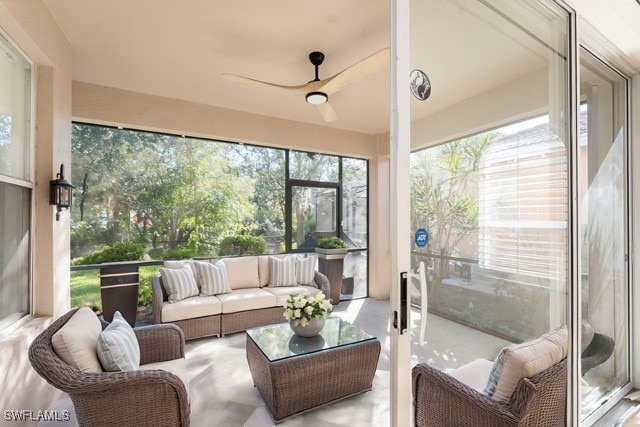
157,299
441,400
323,284
159,343
108,398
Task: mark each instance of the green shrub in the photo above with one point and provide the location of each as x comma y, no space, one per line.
119,251
331,243
144,288
182,252
242,245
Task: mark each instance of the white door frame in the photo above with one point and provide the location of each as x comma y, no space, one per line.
400,387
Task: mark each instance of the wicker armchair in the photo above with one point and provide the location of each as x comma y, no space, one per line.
442,401
140,398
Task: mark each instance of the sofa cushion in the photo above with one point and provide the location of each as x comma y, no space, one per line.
246,299
263,270
524,361
306,270
282,271
190,308
213,278
474,374
179,283
76,341
178,367
118,348
242,272
176,265
283,292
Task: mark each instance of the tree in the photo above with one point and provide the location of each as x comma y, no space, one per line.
443,183
160,190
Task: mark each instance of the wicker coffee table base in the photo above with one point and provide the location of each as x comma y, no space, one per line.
300,383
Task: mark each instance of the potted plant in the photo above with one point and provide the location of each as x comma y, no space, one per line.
331,245
331,253
306,313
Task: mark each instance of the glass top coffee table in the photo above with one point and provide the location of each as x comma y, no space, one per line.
295,374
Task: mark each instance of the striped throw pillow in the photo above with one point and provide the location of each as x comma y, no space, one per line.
118,348
213,278
282,271
179,283
306,270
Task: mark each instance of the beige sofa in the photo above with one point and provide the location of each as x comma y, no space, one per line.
251,301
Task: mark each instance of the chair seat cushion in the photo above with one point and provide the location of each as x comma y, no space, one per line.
76,341
118,348
474,374
190,308
282,292
246,299
524,361
178,367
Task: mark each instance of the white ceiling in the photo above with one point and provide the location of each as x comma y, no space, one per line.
179,49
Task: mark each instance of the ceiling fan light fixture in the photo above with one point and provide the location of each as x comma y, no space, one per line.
317,98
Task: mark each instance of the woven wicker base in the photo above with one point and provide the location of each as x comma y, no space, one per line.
234,322
300,383
199,327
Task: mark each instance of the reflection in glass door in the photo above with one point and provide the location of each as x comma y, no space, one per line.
602,217
489,182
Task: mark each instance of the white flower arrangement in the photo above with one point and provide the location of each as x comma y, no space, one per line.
301,307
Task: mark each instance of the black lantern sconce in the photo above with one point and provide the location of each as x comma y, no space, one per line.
60,192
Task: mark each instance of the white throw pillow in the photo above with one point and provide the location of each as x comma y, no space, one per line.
76,341
282,271
118,348
179,283
306,270
524,361
213,278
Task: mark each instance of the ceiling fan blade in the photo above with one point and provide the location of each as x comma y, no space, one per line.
240,79
356,72
328,113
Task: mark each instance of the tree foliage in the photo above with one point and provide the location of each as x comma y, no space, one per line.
162,191
444,181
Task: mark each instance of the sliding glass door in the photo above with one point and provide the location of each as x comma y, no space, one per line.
487,238
604,230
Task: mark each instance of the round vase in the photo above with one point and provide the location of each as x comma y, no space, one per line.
312,328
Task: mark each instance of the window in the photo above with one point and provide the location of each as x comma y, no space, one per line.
15,183
179,197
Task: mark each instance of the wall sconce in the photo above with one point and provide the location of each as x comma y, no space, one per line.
60,192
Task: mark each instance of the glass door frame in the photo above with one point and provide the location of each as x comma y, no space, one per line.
588,42
289,207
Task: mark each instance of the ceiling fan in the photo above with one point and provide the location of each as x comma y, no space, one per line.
317,91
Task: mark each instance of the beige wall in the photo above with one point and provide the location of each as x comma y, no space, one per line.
105,105
31,27
485,111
